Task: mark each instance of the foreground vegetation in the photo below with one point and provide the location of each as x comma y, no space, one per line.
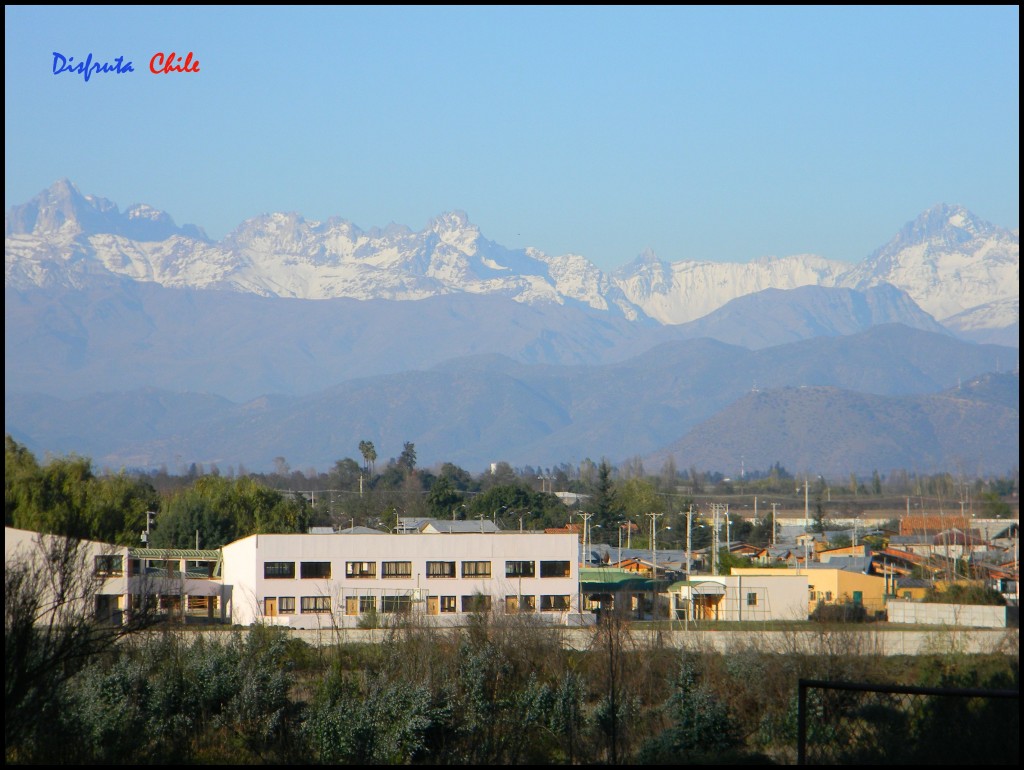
502,691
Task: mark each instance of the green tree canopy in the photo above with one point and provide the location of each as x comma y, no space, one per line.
65,497
443,498
222,510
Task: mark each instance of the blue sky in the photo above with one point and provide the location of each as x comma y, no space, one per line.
720,134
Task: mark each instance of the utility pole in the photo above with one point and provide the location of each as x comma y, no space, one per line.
586,528
716,509
807,506
689,541
728,530
773,524
654,555
689,559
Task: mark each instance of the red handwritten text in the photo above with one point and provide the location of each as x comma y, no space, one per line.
162,64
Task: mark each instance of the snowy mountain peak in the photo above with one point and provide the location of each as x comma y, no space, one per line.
450,220
945,224
62,211
58,209
947,260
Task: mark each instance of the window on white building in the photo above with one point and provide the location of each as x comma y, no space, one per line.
554,603
476,569
278,569
361,569
315,570
476,603
315,604
440,569
396,604
520,569
396,569
554,569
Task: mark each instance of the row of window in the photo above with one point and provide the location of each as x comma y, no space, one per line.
113,566
359,605
321,570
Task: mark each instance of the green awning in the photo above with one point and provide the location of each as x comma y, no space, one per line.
192,554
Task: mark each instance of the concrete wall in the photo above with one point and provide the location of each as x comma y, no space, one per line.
860,641
932,614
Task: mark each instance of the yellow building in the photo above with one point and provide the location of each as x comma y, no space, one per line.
833,586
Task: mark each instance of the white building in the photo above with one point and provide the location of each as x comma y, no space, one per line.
110,581
740,597
317,581
330,580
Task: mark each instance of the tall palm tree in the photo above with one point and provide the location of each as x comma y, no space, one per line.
369,453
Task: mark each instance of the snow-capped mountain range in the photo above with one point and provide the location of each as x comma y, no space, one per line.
960,269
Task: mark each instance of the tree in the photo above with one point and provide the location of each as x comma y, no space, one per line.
501,475
726,561
606,507
66,498
443,498
222,510
993,507
669,474
281,467
346,473
21,473
702,729
459,477
696,480
840,541
369,453
819,524
407,459
637,497
50,632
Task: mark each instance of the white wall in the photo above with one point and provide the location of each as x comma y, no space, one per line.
20,544
929,613
777,597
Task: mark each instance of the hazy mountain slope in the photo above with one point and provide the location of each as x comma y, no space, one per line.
130,335
124,334
775,316
831,431
480,409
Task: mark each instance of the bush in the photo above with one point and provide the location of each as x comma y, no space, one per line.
847,612
965,593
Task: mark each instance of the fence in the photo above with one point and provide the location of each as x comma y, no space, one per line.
845,724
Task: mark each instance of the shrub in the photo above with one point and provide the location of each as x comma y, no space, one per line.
846,612
965,593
